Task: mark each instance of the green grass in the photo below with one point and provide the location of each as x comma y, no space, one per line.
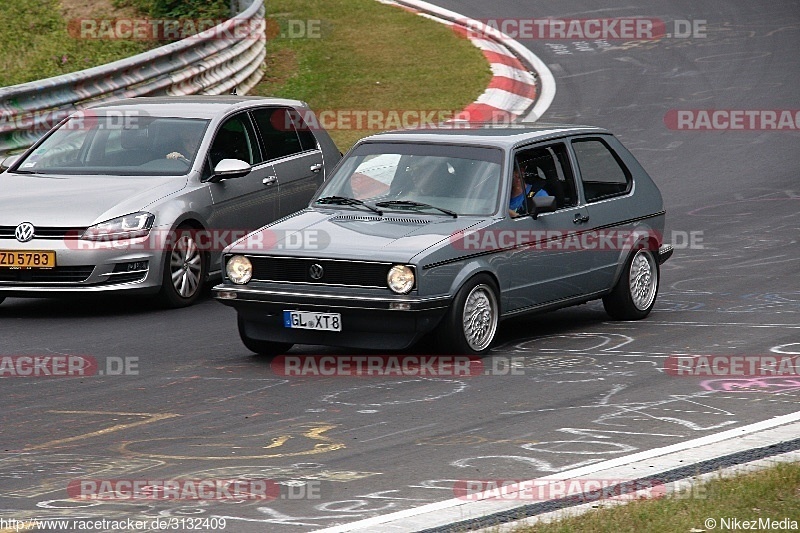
370,57
197,9
35,44
772,494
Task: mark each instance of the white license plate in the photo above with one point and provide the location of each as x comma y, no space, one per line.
308,320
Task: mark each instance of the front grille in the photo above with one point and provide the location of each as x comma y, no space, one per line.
7,232
335,272
71,274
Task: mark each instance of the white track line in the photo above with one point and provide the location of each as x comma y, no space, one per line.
384,520
691,485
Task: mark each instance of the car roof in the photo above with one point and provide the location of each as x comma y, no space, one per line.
195,106
506,136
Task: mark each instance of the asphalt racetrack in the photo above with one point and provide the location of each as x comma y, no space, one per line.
565,388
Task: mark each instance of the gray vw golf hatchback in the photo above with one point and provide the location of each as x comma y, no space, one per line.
450,231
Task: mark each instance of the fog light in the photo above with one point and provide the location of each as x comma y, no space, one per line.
135,266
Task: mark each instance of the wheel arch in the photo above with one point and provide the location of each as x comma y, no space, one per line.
641,237
475,268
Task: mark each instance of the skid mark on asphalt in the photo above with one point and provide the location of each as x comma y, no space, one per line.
149,418
311,440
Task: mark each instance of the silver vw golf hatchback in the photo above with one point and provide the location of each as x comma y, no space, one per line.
142,195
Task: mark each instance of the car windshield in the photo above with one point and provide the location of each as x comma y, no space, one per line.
113,145
429,178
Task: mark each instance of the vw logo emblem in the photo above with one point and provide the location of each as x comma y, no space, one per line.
24,232
316,271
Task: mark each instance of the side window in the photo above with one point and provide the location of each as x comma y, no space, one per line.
602,173
277,131
236,139
544,171
307,139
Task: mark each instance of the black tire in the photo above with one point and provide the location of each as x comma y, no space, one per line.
182,284
634,295
478,299
265,348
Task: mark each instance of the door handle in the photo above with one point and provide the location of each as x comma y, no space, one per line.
580,219
316,168
270,180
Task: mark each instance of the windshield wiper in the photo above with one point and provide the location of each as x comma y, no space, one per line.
344,200
412,204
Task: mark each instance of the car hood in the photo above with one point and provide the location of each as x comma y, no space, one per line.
78,201
394,237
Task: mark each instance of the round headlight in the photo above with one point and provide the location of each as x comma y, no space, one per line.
401,279
239,269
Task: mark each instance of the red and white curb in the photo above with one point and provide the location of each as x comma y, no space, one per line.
513,95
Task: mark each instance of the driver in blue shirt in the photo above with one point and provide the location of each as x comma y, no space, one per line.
519,190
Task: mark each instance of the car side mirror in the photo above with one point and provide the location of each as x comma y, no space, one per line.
537,205
6,163
230,168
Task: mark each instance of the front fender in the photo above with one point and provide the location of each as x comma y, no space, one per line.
447,280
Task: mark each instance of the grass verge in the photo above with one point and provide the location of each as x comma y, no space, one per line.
36,43
360,55
771,494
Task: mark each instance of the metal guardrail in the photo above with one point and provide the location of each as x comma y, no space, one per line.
227,56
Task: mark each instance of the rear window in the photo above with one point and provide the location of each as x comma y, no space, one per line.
602,173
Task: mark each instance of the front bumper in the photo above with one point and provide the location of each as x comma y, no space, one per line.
368,320
665,252
83,268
